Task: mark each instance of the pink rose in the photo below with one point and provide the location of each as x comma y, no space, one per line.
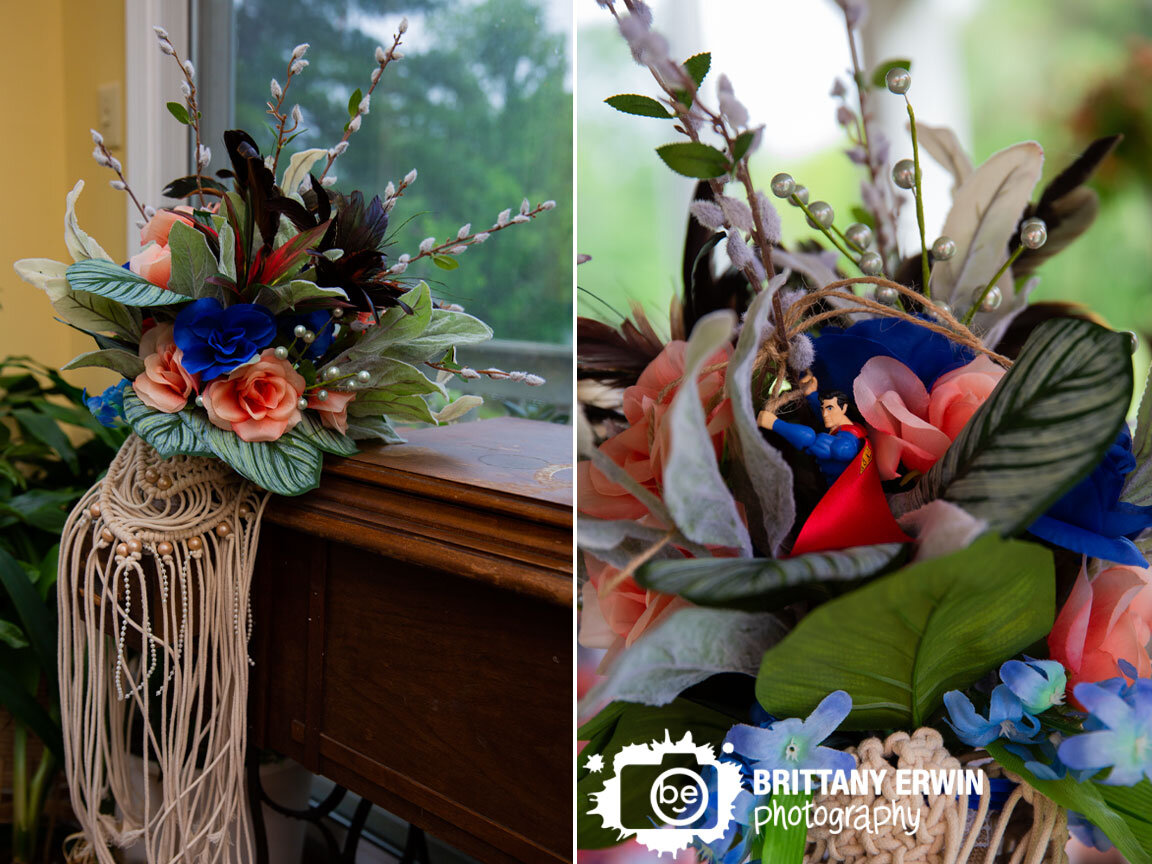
1104,620
258,400
911,425
642,448
160,225
154,263
333,410
615,613
163,385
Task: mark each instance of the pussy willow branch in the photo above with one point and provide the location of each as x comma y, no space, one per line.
281,118
193,120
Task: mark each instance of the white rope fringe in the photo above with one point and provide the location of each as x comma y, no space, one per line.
155,569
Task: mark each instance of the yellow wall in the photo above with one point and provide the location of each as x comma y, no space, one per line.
57,53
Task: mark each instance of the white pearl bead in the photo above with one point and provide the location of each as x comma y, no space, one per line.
301,403
991,301
887,295
332,372
859,235
801,192
199,401
338,312
898,80
299,330
282,352
943,248
1034,233
364,376
871,263
309,337
322,395
822,212
783,185
904,173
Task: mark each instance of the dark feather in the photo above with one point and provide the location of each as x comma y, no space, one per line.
186,187
1033,316
616,355
703,292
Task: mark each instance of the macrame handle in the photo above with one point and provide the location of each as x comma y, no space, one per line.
155,570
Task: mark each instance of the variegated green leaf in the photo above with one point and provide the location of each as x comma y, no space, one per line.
326,439
1046,425
95,314
373,428
106,279
126,363
767,583
170,434
290,465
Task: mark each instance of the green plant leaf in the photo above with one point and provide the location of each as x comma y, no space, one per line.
1047,424
193,263
741,144
322,437
445,330
881,71
445,262
1138,483
170,434
42,427
354,102
11,635
900,642
125,362
290,465
80,245
298,167
1089,800
693,159
624,723
41,508
285,296
697,66
767,583
94,314
783,842
36,617
373,429
25,709
180,112
641,106
108,280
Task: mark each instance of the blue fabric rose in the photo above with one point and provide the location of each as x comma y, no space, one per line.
216,340
108,407
841,353
1091,519
317,322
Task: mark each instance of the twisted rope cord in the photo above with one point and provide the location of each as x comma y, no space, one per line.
164,550
945,834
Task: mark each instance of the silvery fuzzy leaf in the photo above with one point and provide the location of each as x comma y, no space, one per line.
943,146
298,167
45,274
819,268
80,246
695,493
692,645
985,211
941,528
760,470
618,542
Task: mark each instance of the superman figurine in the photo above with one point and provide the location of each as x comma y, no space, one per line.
854,511
835,449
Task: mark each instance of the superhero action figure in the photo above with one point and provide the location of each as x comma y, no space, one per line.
835,449
854,511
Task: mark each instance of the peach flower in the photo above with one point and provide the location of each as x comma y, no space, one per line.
163,385
160,225
333,410
642,448
154,263
616,613
258,400
1105,620
910,424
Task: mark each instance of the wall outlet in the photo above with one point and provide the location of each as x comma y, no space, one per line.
111,120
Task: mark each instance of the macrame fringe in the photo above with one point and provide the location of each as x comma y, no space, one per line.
1028,829
155,569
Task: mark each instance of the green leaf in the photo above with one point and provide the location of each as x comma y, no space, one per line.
11,635
445,331
767,583
1089,799
94,314
170,434
322,437
80,245
49,567
193,263
41,508
784,843
354,103
1134,804
108,280
697,66
290,465
445,262
880,72
177,110
373,428
396,327
899,643
44,428
280,298
36,618
641,106
741,144
25,709
1138,483
619,725
693,159
125,362
298,167
1047,424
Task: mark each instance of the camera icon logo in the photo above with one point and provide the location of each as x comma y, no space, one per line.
668,793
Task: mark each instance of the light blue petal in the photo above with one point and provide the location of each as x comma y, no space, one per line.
752,742
1092,750
827,717
1105,706
1027,683
828,759
1005,706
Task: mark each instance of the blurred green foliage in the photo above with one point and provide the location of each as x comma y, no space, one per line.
481,106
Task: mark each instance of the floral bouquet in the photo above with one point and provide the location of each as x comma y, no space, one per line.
870,487
265,324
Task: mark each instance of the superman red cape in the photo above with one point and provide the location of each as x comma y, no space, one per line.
854,510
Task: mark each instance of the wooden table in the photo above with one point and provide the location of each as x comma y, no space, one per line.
413,634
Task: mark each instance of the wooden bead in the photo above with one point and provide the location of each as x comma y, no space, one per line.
151,475
164,483
223,530
135,545
194,543
106,536
244,511
122,550
164,548
94,510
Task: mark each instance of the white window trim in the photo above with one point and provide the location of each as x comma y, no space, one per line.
157,146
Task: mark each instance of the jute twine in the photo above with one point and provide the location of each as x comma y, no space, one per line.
949,832
158,554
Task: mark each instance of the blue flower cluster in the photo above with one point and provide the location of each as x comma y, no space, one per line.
1118,731
1029,687
108,407
216,340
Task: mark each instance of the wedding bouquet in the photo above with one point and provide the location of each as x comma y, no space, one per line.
266,324
871,487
